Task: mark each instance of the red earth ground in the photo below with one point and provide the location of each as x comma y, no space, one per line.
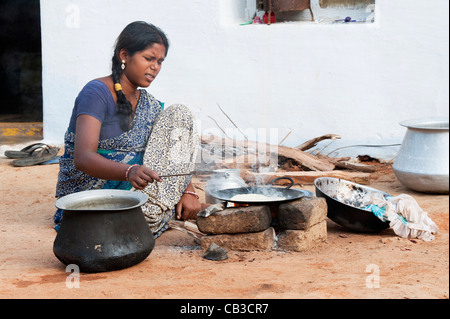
343,266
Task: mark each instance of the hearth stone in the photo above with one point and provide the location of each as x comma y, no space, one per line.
260,241
302,213
236,220
302,240
301,224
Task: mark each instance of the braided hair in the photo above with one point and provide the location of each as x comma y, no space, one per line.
137,36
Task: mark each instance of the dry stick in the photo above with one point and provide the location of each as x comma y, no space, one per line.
286,137
218,126
313,142
356,166
232,122
187,228
363,145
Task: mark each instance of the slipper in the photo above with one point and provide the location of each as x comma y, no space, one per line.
54,160
37,156
24,152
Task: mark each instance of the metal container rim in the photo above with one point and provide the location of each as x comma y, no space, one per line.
428,123
65,202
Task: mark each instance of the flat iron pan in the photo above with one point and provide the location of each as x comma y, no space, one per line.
284,194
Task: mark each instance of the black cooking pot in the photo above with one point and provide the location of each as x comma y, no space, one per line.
344,200
103,230
276,194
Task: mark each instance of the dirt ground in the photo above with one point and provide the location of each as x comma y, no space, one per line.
345,266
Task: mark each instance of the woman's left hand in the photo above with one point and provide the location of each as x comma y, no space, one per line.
188,207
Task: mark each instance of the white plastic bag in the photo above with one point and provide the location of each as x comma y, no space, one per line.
407,219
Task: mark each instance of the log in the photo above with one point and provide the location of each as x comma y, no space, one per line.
304,159
356,166
344,162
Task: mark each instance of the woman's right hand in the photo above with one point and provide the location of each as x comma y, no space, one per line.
140,176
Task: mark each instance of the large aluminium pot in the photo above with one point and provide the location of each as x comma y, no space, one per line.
345,201
422,163
103,230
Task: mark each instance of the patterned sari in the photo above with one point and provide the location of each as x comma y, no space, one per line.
171,149
152,139
126,148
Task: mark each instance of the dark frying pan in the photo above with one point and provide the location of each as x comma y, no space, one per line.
278,194
346,212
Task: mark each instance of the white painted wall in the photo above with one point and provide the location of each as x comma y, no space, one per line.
355,80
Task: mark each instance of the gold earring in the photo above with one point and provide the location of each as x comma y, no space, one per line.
123,65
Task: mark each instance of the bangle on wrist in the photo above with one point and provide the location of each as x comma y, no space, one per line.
192,193
128,171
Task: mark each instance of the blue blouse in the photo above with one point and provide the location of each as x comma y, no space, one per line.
95,99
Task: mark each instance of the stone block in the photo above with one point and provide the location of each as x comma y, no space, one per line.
261,241
302,213
302,240
236,220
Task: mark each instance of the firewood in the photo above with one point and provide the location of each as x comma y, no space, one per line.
344,162
188,228
308,177
309,161
333,160
313,142
356,166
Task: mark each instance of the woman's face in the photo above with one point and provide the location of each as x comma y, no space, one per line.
143,67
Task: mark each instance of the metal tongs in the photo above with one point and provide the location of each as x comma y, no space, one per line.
202,172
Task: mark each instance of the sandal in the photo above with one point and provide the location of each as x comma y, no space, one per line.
37,156
24,152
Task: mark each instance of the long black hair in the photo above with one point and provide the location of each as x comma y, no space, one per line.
137,36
